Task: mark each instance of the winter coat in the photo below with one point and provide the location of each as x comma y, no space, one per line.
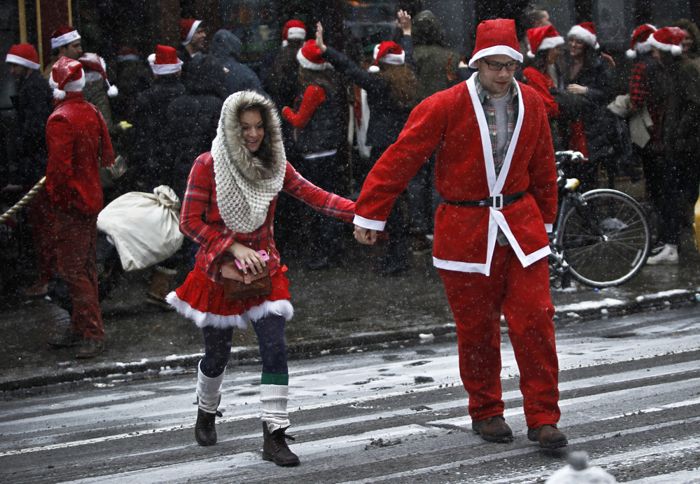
204,74
95,92
681,130
280,76
590,108
436,65
226,48
133,77
452,123
78,145
33,103
319,120
386,117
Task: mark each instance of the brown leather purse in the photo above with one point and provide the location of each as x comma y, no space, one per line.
239,286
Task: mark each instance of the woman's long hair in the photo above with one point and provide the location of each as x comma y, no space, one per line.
403,85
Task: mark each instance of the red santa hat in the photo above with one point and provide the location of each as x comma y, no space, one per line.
668,39
164,61
94,63
127,54
63,35
309,57
23,55
66,76
640,40
496,37
387,52
188,26
293,30
586,33
543,38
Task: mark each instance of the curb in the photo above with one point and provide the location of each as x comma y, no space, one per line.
566,314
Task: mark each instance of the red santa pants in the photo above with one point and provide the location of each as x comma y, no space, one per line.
75,236
522,294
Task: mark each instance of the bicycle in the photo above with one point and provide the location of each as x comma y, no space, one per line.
601,237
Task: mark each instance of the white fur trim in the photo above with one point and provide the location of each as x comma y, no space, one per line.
643,47
393,59
296,33
530,54
583,35
307,64
164,69
15,59
495,50
631,53
65,39
551,42
190,34
58,94
672,48
112,90
72,86
373,69
280,307
366,223
285,43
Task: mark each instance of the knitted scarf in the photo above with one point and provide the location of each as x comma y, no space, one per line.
246,184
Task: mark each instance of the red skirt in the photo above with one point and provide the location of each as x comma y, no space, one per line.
202,300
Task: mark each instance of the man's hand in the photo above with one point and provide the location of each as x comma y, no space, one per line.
319,37
403,19
365,236
577,89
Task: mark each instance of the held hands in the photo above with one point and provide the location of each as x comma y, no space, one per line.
249,258
577,89
319,37
403,20
365,236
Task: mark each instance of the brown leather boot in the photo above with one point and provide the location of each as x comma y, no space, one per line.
493,429
275,447
548,436
161,284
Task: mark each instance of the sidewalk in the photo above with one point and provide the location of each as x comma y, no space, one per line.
337,310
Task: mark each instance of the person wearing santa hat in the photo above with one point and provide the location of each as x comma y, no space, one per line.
543,48
318,119
391,86
98,90
65,42
496,175
78,145
33,104
193,37
586,123
679,185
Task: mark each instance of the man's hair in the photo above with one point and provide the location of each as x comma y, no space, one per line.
533,16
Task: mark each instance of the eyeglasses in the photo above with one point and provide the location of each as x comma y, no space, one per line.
498,66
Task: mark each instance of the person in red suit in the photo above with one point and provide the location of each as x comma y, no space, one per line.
78,144
496,175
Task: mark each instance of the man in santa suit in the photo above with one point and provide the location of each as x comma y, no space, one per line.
495,172
78,144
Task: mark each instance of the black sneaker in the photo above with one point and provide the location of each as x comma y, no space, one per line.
66,339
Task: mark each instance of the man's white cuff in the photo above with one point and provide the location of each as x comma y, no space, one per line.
549,228
366,223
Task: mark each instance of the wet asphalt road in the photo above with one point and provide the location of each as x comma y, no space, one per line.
630,397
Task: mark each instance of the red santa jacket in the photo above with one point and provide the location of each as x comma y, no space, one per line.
452,124
76,138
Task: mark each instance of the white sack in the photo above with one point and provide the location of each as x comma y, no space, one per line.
144,227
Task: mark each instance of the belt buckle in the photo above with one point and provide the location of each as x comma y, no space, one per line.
497,201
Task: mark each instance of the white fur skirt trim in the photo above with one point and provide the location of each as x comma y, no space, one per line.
281,307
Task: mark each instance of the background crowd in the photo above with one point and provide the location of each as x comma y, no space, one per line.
632,117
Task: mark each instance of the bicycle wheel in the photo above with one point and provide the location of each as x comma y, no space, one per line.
605,241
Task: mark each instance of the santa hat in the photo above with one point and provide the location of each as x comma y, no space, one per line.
309,57
23,55
586,33
293,30
63,35
165,61
387,52
66,76
94,63
127,54
496,37
188,26
543,38
640,40
668,39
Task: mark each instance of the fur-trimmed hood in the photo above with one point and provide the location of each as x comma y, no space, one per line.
247,182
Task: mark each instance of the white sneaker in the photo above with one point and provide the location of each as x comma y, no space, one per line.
667,255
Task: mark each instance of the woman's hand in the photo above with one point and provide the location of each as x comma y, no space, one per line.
319,37
577,89
403,19
248,258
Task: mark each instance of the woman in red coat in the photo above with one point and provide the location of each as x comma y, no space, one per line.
228,210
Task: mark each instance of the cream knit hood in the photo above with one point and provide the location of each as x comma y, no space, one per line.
245,183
